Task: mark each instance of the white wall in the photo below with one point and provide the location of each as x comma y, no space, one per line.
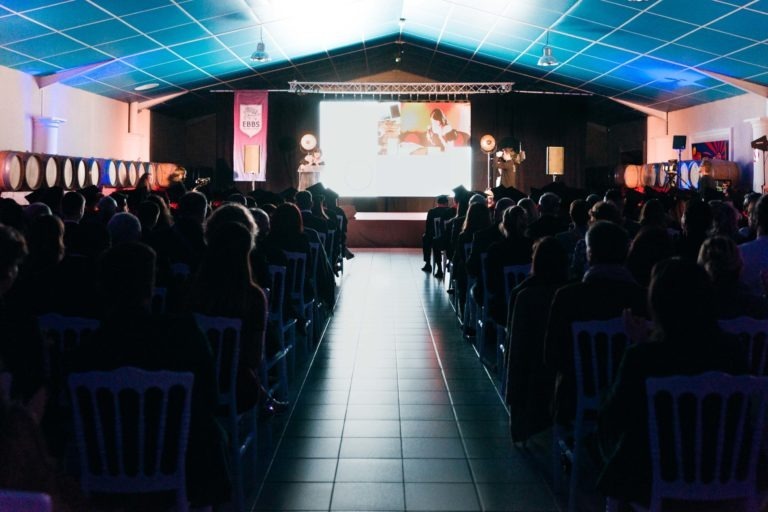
724,119
95,126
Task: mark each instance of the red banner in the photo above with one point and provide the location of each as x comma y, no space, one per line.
250,148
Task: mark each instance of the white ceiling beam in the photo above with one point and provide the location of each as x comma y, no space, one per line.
142,105
642,108
44,81
750,87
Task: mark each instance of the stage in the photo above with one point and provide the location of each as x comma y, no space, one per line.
386,229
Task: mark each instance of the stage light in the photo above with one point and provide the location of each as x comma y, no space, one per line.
547,59
260,55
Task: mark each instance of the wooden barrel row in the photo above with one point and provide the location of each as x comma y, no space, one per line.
32,171
653,175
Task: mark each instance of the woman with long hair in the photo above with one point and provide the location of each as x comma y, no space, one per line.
478,217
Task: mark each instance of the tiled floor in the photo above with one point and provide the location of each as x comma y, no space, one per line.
396,412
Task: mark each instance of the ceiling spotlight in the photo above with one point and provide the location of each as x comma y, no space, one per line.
146,87
547,59
260,55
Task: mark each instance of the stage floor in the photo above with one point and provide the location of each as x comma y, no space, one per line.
386,229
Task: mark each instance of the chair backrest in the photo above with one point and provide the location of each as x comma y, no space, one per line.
753,334
295,275
62,334
484,276
330,244
224,339
314,258
131,427
439,227
598,347
705,433
180,270
20,501
277,291
159,300
513,276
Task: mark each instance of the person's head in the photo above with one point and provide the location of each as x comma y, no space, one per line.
549,260
34,210
477,218
92,240
592,199
442,200
237,198
697,218
721,258
437,116
549,203
193,206
680,301
106,208
498,209
148,213
46,239
304,200
13,249
72,206
614,196
478,199
750,209
579,212
230,212
124,227
317,206
653,214
650,245
762,216
165,220
261,218
286,220
530,208
126,276
607,243
705,169
226,259
513,222
725,218
121,200
604,210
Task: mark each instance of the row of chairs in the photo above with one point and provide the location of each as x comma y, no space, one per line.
598,347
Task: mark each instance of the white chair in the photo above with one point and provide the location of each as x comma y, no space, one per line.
224,339
295,279
285,327
718,460
598,347
339,242
62,335
119,416
484,322
753,334
513,276
469,315
20,501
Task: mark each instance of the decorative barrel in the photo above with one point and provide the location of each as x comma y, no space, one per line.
629,175
107,172
68,168
693,174
167,173
82,167
51,172
133,173
11,170
33,175
151,168
122,173
724,170
683,173
650,175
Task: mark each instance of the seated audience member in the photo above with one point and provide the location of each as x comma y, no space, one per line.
601,210
748,218
72,211
653,215
105,209
264,254
224,287
579,212
430,246
650,246
21,346
477,218
124,227
130,335
12,214
184,241
755,254
165,220
614,197
679,290
530,208
513,249
725,219
148,213
549,222
606,290
482,240
529,381
696,222
305,201
720,257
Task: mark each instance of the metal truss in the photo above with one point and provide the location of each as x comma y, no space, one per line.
401,88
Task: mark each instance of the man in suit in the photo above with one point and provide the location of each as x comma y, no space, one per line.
606,290
431,245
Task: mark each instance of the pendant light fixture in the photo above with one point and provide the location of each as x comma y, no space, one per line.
547,59
260,55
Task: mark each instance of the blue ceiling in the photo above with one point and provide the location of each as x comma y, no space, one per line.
649,52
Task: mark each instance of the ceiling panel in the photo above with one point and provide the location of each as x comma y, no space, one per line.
616,48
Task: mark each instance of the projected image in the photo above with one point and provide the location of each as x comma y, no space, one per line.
395,149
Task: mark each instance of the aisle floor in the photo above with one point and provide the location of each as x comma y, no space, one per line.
396,412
